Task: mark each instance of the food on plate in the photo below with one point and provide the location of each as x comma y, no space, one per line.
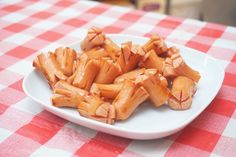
129,56
157,44
151,60
94,38
95,108
96,53
131,75
49,67
66,95
108,91
109,70
129,98
158,91
182,68
182,92
85,72
66,58
111,48
107,82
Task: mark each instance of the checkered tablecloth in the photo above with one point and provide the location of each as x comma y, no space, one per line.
27,27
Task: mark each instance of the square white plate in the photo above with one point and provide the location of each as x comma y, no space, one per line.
147,122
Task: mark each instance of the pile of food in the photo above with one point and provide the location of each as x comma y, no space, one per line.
107,82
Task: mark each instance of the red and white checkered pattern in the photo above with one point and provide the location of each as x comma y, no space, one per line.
27,27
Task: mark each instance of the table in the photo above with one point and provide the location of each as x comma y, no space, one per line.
28,27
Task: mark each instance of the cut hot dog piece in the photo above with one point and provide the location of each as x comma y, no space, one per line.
157,44
128,99
131,75
66,58
129,57
66,98
108,71
111,48
151,60
65,85
182,92
94,38
85,73
96,53
182,68
49,67
95,108
168,69
109,91
156,88
66,95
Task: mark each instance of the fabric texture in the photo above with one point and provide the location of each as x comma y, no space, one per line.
32,26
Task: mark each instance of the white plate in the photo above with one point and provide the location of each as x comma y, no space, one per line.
147,122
